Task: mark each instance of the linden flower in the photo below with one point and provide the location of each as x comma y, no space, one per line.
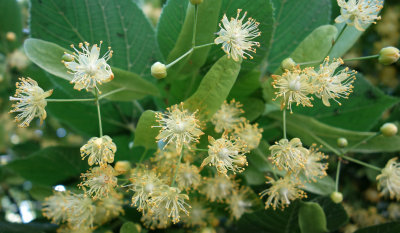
227,117
249,134
31,101
236,36
178,126
359,13
159,219
144,183
389,179
109,208
314,168
100,181
331,85
217,188
289,155
100,150
240,203
80,211
88,69
54,207
281,193
171,199
226,154
188,176
198,215
293,86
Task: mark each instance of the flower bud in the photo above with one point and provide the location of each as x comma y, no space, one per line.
342,142
159,70
241,161
389,129
337,197
122,167
288,64
67,57
196,2
10,36
389,55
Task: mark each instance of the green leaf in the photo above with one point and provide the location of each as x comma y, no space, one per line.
128,227
51,165
10,21
361,111
294,20
214,88
245,84
312,131
7,227
382,228
40,192
262,12
48,55
253,108
312,218
324,186
336,215
119,24
346,40
145,134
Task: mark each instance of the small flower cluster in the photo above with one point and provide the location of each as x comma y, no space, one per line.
298,85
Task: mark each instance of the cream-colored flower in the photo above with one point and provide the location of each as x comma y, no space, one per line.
389,179
198,215
88,68
236,37
144,183
109,208
54,207
249,134
330,84
98,182
217,188
226,154
289,155
80,211
228,116
359,13
281,192
293,86
99,150
314,167
156,220
240,202
178,125
31,101
188,176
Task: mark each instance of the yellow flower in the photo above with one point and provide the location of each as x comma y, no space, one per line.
389,179
88,69
359,13
159,219
109,208
249,134
240,202
289,155
236,37
228,116
99,150
100,181
314,168
31,101
281,192
188,176
178,126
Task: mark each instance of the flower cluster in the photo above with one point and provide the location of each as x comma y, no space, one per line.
389,179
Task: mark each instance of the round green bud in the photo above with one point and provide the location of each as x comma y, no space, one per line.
67,57
10,36
342,142
196,2
389,55
159,70
389,129
288,64
337,197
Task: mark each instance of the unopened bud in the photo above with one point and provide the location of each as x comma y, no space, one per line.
389,55
337,197
67,57
288,64
196,2
159,70
122,166
10,36
342,142
389,129
241,161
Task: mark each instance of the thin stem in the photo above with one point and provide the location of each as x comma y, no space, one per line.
284,123
194,26
70,100
98,113
261,155
200,149
138,106
202,46
361,162
337,38
361,142
179,58
142,156
177,168
338,175
112,92
362,58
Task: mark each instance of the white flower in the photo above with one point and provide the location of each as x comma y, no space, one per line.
100,150
109,208
54,207
188,176
88,69
228,116
249,134
389,179
80,211
359,13
217,188
314,168
100,181
330,85
31,101
198,216
289,155
236,36
240,202
144,183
